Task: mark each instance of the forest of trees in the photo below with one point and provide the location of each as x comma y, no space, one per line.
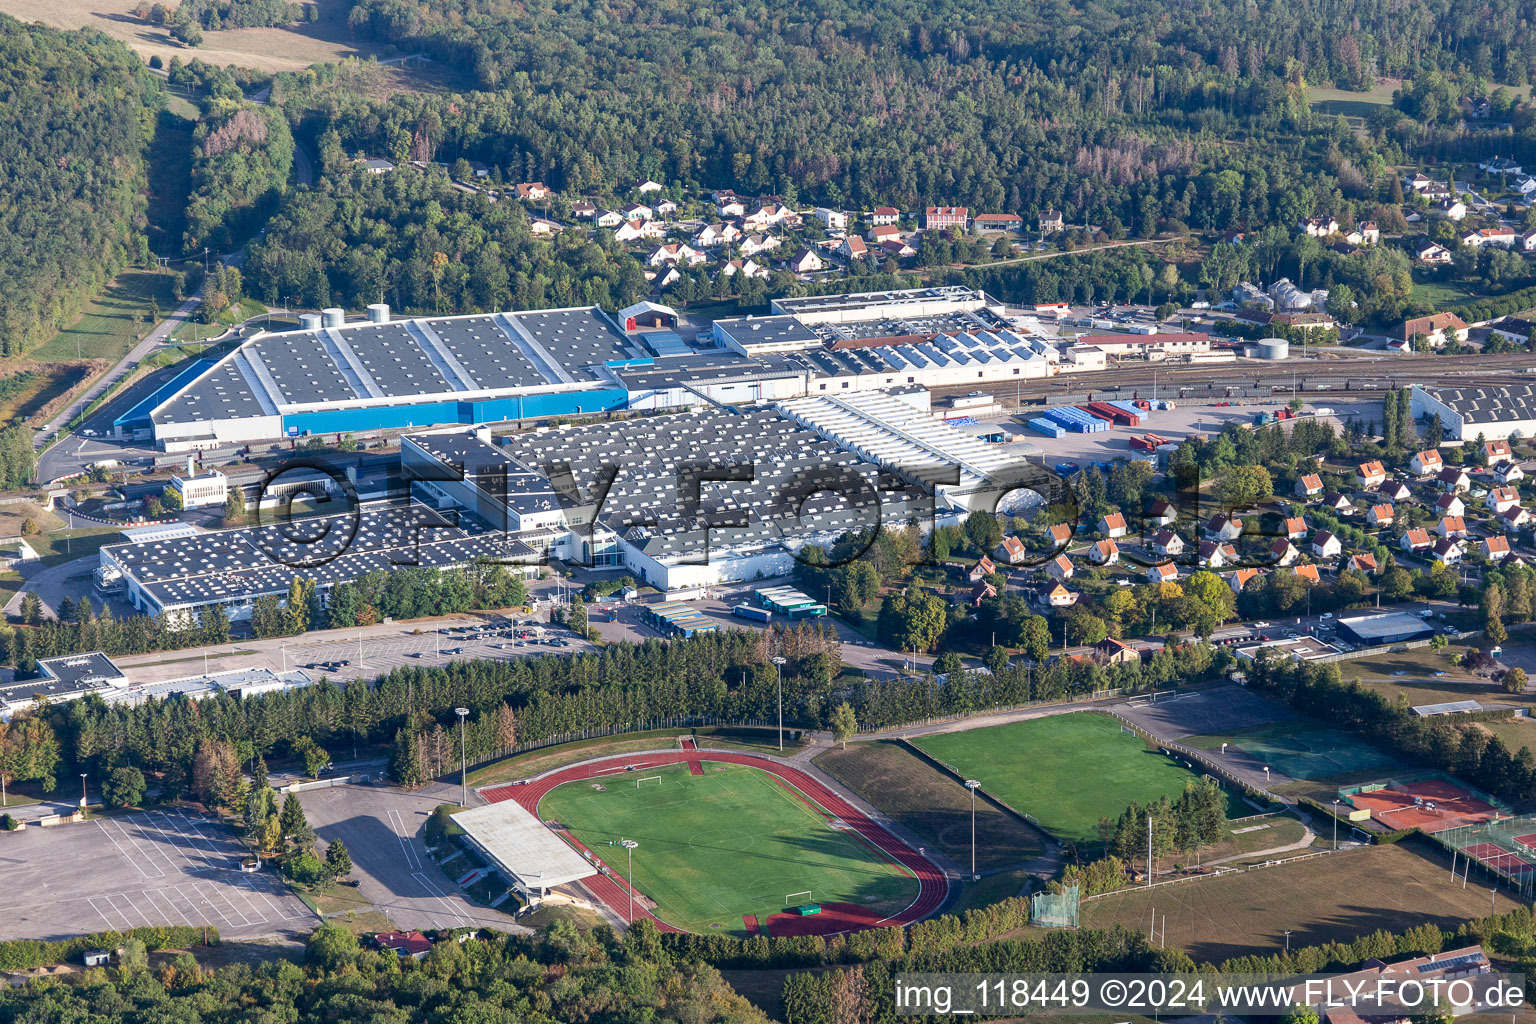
416,242
78,107
1117,115
561,974
241,158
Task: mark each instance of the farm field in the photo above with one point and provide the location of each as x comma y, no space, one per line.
1066,771
1321,899
262,49
938,810
730,842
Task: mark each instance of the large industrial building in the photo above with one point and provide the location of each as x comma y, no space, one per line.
179,577
684,501
1465,412
334,377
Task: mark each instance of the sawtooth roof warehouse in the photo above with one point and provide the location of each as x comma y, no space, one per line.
697,498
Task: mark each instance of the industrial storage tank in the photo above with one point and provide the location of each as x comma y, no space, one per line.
309,321
378,313
333,317
1274,348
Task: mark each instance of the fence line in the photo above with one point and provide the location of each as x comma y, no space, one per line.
1198,756
1219,872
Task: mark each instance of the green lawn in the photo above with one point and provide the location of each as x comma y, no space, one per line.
1066,771
112,322
1439,294
730,842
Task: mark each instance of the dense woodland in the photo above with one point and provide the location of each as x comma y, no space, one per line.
1116,114
416,242
78,110
242,156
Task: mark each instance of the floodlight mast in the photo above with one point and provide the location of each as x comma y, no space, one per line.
778,672
629,848
463,759
973,785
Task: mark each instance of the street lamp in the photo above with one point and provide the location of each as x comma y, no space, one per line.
629,848
82,791
973,785
1335,824
1287,940
463,761
778,672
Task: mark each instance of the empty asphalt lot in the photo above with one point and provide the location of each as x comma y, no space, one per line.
151,867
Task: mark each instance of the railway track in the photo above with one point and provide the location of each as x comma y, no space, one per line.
1348,375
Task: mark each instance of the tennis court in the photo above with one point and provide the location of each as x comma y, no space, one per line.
1496,856
1301,751
1430,805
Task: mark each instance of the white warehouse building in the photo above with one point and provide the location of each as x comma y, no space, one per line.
1465,412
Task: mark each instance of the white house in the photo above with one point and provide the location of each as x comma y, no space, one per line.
1500,498
1308,485
1446,552
883,215
835,220
1164,573
754,244
1508,473
1113,525
1415,540
1326,545
1104,552
1495,549
1381,515
1282,552
1451,528
1166,542
1370,474
1496,452
806,262
1450,505
1426,462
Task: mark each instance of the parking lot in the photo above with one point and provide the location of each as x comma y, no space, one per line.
859,651
338,657
383,830
153,867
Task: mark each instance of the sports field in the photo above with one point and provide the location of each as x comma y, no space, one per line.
1065,771
1321,899
731,842
1302,750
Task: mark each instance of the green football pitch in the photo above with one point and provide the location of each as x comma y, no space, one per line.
1065,771
730,842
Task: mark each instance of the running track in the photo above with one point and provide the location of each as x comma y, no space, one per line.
933,887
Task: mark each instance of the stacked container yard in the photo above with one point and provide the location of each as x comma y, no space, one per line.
1076,420
1046,427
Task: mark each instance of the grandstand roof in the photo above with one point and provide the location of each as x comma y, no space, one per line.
522,846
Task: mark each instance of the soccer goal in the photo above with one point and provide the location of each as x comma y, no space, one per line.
795,897
649,778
